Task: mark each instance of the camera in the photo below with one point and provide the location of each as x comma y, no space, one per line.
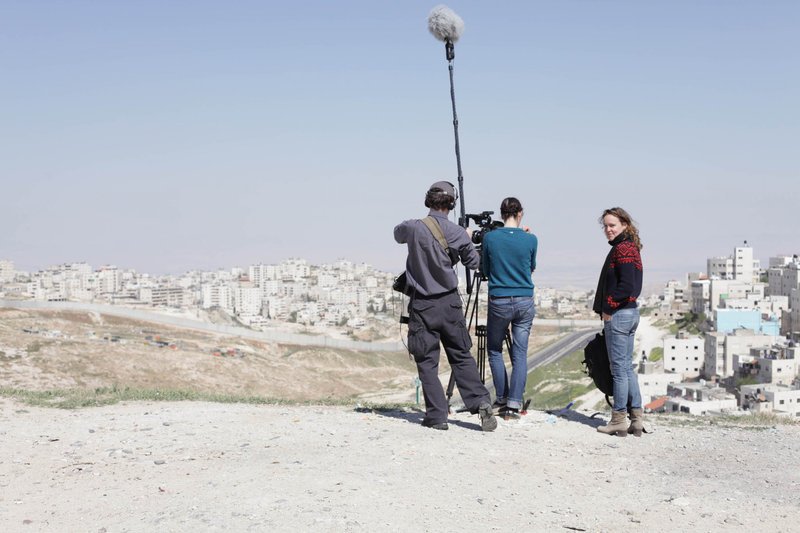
485,225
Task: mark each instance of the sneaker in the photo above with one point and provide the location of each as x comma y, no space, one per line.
488,421
435,425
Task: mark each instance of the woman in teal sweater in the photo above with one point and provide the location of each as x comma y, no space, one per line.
508,260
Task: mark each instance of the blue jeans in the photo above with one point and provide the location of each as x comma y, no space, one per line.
619,333
518,311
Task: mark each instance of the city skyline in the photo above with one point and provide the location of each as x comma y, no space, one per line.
742,262
168,139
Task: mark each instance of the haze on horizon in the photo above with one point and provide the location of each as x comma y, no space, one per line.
174,136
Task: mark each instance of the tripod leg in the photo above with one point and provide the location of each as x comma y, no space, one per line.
471,314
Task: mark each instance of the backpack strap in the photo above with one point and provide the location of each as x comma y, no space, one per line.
437,233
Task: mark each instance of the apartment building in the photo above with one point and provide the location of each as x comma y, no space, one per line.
739,267
720,290
720,348
700,290
6,271
165,296
783,275
777,364
247,300
683,355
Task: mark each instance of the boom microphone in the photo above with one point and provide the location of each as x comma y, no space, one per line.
444,24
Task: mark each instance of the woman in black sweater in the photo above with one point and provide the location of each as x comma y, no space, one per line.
619,287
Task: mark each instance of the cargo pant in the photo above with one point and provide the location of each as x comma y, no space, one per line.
441,318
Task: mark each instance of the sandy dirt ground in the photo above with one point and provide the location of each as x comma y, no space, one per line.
224,467
649,336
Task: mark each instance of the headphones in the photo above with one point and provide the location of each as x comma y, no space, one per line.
447,188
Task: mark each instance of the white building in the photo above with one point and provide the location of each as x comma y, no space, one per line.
328,279
740,266
778,364
699,399
259,274
277,307
767,305
720,349
720,267
653,381
783,275
700,296
108,279
543,298
6,271
165,296
673,293
295,269
295,289
272,287
218,296
684,355
720,290
565,307
779,261
247,300
770,397
210,296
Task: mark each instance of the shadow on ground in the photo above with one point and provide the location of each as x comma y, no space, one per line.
416,416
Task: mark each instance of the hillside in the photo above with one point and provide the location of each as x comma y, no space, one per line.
43,350
193,466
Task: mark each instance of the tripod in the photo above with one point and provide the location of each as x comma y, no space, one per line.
471,314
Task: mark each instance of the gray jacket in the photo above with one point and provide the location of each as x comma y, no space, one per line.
428,268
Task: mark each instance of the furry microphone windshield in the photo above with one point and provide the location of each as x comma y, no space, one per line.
444,24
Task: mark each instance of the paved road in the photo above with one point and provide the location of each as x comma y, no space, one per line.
560,348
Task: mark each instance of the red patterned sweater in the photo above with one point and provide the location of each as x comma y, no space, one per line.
620,281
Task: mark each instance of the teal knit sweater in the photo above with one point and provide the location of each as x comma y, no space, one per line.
507,259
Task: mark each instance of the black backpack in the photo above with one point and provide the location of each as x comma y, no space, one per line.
597,366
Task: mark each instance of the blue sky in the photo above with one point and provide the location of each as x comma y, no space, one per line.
166,136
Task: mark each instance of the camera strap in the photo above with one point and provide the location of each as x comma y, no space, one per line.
438,235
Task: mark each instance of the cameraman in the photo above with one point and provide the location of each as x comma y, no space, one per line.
435,310
509,259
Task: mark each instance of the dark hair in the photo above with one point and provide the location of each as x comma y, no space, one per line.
631,231
510,207
438,199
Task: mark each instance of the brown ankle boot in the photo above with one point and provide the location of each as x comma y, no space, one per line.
617,426
637,427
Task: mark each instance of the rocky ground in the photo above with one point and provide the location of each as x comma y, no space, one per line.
213,467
